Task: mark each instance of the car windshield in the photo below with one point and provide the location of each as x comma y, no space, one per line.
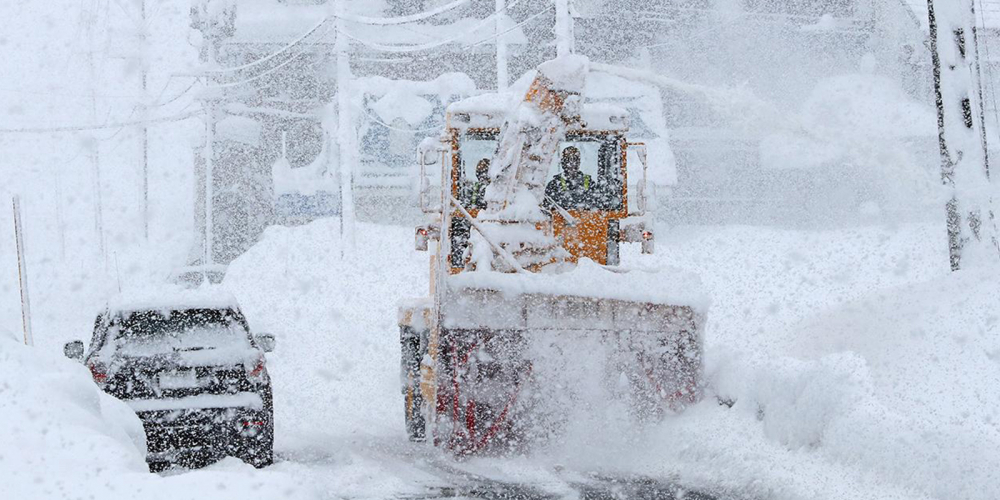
155,332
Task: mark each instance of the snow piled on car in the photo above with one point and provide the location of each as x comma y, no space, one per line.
64,438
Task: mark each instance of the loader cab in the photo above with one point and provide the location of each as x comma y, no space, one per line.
590,223
600,166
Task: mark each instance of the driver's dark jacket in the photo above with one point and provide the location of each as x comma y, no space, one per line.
570,192
473,195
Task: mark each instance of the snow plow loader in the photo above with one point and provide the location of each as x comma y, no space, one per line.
529,325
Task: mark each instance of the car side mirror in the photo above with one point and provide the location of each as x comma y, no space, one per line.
74,350
265,341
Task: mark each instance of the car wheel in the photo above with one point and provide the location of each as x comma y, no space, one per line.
259,451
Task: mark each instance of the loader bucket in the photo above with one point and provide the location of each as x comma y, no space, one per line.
515,368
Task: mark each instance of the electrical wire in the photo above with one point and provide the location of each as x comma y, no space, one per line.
373,21
259,75
273,54
430,45
516,26
178,96
369,21
386,21
105,126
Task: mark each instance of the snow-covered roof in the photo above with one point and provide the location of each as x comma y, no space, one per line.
404,99
172,297
445,85
489,111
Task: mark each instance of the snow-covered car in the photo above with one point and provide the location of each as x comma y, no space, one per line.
186,363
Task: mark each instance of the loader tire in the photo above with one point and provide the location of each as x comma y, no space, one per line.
412,352
414,418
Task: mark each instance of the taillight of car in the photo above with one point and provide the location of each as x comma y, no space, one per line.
258,374
98,372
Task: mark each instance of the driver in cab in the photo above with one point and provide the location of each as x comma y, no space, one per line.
570,189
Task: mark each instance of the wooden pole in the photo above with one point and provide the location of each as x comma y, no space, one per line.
345,131
144,132
972,231
22,273
502,78
564,29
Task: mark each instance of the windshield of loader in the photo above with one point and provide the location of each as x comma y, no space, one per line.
586,175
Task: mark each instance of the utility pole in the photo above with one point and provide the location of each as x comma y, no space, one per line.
215,22
22,274
965,169
345,131
209,154
564,29
95,144
144,131
502,75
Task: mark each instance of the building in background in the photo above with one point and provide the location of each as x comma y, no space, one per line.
742,150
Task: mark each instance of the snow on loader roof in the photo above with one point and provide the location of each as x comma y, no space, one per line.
490,111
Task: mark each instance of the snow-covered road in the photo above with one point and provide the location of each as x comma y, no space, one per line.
387,468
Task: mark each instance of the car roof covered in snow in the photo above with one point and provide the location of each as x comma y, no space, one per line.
172,298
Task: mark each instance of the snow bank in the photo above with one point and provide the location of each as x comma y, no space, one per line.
902,384
335,368
57,417
854,375
64,438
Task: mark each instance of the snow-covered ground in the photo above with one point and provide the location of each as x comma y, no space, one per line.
860,367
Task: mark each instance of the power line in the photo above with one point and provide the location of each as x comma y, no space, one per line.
431,45
516,26
386,21
78,128
374,21
178,96
263,73
273,54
